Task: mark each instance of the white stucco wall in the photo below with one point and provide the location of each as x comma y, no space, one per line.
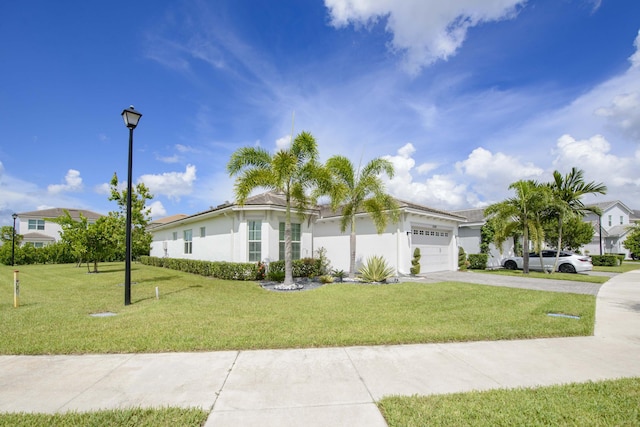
394,244
226,237
469,239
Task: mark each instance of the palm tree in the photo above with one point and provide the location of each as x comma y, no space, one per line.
294,172
360,190
521,213
567,192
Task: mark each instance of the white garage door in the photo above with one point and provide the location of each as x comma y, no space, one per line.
434,247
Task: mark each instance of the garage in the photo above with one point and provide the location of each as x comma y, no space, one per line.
434,244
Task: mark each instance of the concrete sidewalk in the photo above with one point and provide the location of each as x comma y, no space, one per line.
328,386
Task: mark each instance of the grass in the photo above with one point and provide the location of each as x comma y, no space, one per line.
168,417
554,276
622,268
197,314
606,403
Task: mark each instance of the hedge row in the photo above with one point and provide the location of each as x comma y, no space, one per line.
608,260
217,269
305,267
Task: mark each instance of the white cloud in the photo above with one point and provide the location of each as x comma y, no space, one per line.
184,148
438,191
594,156
624,113
73,183
283,143
483,164
171,184
169,159
423,30
157,210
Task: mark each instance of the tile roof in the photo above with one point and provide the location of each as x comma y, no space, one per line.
57,212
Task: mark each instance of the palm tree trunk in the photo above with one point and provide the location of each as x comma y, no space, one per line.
555,264
525,250
352,249
288,264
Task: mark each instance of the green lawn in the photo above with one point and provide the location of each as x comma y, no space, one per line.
622,268
196,313
164,417
554,276
606,403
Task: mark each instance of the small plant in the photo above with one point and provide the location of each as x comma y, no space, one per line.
275,276
326,278
324,264
376,270
339,274
415,262
462,259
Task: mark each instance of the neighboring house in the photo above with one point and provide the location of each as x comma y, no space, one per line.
469,237
255,232
37,229
611,228
165,220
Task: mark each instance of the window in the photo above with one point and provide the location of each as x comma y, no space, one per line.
36,224
203,231
609,220
621,220
188,242
255,241
175,235
295,241
38,244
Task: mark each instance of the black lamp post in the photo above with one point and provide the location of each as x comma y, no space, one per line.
13,240
131,118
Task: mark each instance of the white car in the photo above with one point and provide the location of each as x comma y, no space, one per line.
567,263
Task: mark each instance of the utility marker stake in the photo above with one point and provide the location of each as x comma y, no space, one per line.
16,289
157,293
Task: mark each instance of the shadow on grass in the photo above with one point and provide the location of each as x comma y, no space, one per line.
162,295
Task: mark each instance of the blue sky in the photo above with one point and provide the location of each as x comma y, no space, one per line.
463,96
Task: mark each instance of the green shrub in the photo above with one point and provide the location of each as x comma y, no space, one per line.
608,260
376,270
339,274
305,267
275,276
478,261
217,269
415,262
326,278
462,259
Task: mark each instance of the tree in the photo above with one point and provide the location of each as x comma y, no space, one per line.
294,172
90,243
140,237
521,212
7,246
567,192
632,242
357,191
575,234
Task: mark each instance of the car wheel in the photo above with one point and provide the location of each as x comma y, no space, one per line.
510,265
566,268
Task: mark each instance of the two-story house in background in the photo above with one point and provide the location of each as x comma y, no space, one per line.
37,229
611,228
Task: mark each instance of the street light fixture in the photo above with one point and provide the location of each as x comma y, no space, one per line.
13,240
131,118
